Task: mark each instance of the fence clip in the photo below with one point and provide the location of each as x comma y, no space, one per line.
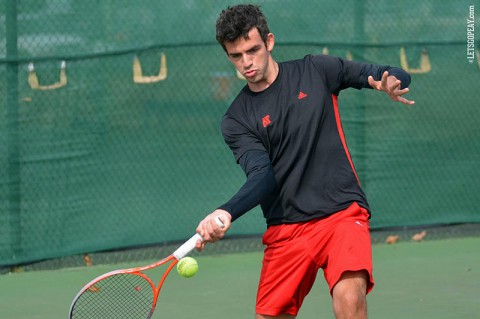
33,79
138,76
348,55
425,66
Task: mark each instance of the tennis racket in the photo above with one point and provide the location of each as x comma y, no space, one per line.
127,293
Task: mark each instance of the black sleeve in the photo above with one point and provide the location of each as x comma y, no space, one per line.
260,183
238,136
341,74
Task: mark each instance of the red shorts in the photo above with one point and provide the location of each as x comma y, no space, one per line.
295,252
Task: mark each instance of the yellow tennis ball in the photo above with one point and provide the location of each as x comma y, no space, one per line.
187,267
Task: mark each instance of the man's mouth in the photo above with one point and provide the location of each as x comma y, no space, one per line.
250,73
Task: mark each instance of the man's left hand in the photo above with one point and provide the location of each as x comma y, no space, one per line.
392,86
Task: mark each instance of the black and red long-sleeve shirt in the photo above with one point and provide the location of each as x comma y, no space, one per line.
290,143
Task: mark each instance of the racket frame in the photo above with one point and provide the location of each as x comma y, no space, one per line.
178,254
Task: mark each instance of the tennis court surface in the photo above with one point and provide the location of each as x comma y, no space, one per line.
428,279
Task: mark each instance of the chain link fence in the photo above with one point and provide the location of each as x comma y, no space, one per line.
111,111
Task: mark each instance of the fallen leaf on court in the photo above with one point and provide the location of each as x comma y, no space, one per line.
88,260
392,239
419,236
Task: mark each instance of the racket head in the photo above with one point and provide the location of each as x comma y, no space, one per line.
117,295
126,293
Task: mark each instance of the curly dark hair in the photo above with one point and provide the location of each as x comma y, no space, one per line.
238,20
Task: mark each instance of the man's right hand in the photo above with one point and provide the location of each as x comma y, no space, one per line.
209,229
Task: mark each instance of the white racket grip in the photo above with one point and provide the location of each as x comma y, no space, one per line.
190,244
187,247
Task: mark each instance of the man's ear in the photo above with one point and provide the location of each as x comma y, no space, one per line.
270,42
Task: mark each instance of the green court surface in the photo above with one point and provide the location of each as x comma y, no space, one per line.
430,279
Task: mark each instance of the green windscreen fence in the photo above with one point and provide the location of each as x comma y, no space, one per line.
110,114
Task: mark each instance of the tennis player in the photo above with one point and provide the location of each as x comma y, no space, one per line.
285,132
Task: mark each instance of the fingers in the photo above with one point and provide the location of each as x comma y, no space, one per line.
397,95
213,227
401,91
384,80
384,83
405,101
387,83
373,83
212,231
392,86
200,245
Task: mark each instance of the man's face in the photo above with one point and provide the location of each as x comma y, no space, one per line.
253,60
